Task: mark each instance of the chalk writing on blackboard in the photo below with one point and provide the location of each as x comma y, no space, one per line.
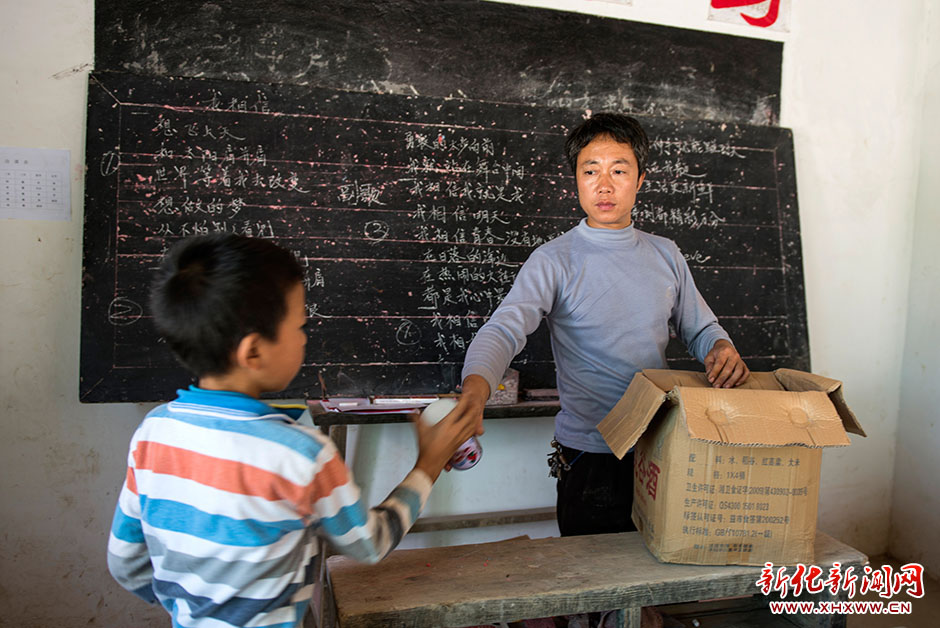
122,311
410,217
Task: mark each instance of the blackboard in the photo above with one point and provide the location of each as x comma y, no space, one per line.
472,49
411,216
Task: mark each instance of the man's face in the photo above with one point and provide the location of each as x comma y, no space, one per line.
608,180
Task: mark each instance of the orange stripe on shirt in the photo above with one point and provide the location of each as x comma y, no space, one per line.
332,475
227,475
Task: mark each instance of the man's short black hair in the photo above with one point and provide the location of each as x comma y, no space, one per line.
619,126
211,291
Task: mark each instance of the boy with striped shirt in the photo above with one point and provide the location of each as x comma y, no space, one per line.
225,497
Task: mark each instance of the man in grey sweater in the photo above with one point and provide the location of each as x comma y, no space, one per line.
609,293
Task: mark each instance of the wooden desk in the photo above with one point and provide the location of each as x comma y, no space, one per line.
527,578
334,425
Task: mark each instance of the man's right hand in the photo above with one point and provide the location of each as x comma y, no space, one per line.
475,392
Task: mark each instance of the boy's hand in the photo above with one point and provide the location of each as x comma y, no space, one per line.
724,366
437,443
467,415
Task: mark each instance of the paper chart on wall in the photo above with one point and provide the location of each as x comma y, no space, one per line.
34,184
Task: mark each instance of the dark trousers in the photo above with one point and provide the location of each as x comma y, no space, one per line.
595,496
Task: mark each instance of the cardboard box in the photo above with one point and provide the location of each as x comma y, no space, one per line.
728,476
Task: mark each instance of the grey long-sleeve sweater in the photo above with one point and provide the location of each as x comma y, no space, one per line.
609,297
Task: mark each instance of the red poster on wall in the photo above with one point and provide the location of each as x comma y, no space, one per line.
768,14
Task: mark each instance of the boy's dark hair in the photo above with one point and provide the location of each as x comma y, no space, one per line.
211,291
619,126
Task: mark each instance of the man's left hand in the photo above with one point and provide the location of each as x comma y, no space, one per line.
724,366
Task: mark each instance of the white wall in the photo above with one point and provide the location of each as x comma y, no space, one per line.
853,97
916,500
853,94
61,461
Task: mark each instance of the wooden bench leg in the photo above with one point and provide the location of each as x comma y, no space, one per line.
629,617
328,616
327,601
322,612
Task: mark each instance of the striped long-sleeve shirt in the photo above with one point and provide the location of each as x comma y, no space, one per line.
223,501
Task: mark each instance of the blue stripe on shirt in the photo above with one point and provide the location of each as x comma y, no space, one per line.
126,528
145,593
240,403
177,517
236,611
347,518
356,515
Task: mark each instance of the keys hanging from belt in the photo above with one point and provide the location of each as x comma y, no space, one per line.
557,461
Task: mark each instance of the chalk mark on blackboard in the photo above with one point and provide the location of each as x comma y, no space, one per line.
123,311
376,231
110,162
408,333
